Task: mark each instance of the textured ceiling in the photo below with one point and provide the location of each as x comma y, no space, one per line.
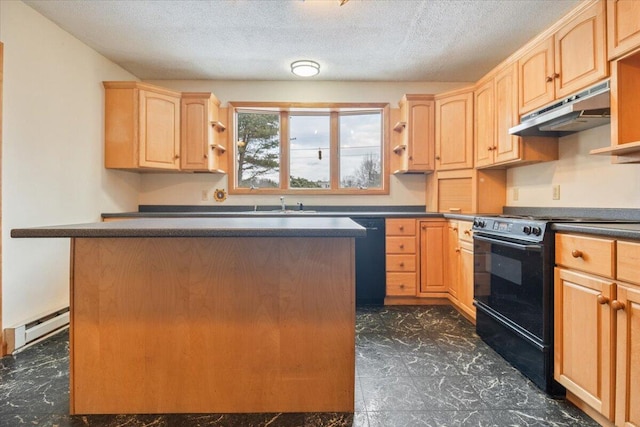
368,40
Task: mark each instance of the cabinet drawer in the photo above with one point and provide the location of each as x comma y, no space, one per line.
629,262
589,254
401,263
401,227
464,231
401,245
401,284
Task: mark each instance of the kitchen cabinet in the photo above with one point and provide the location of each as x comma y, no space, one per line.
628,334
454,130
433,238
459,264
572,58
623,27
597,326
401,254
452,261
625,110
417,129
583,322
466,191
496,110
202,141
142,127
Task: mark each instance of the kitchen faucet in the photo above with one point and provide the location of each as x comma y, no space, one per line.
284,208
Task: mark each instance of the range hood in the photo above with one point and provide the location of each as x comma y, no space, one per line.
584,110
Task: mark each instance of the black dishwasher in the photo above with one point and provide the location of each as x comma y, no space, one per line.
370,262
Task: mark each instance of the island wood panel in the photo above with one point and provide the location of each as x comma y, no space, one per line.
194,325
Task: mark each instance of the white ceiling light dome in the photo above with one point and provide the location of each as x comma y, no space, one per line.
305,68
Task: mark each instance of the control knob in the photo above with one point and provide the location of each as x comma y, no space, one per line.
526,230
536,231
479,223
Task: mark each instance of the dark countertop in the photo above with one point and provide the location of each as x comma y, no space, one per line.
282,226
268,214
614,230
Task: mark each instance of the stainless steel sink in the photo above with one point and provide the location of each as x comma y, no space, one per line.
280,211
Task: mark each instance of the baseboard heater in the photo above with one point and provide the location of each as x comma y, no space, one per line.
22,335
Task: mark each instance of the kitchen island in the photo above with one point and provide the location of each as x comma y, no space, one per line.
211,315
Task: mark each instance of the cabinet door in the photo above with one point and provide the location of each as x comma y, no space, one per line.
454,132
580,57
432,243
421,134
506,94
159,131
465,286
583,347
535,77
484,129
452,263
623,26
195,134
628,355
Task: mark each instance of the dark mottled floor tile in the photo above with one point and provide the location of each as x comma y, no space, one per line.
479,362
391,394
478,418
429,362
508,392
378,343
374,364
560,416
448,393
400,418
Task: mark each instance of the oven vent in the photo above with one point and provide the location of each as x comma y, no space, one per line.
22,335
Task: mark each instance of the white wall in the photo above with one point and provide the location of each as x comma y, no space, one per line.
168,189
52,156
585,180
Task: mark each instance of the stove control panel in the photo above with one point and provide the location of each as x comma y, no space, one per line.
515,228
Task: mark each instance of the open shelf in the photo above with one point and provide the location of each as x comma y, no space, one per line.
219,147
619,150
398,149
219,125
399,127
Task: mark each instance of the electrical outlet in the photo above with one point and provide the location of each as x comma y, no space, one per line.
204,196
556,192
516,194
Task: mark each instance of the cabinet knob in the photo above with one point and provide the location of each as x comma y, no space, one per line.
617,305
490,148
602,299
205,156
548,79
402,286
437,157
401,228
556,75
458,250
410,157
402,264
454,228
401,246
467,232
576,253
176,157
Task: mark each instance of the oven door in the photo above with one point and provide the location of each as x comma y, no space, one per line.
510,284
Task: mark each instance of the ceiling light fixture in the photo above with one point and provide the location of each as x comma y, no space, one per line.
305,68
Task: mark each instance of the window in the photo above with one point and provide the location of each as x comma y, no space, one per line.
310,149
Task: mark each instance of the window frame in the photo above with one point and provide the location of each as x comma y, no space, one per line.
333,110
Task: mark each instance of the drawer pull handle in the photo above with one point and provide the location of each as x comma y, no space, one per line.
402,228
402,286
401,246
576,253
617,305
402,264
602,299
457,249
548,79
467,232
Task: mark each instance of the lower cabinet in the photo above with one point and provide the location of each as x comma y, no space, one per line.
432,243
597,326
459,262
401,255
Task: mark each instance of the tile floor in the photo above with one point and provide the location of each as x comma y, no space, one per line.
415,366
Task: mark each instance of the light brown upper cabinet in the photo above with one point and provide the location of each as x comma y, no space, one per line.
142,127
202,145
573,58
454,130
623,26
417,127
496,110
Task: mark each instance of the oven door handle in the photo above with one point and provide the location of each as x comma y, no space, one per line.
522,247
